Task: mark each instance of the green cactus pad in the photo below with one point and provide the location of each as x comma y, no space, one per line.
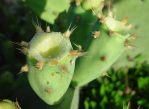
7,104
85,21
102,53
114,25
48,10
91,4
51,65
137,13
45,46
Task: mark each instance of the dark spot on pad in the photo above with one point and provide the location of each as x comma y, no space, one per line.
47,82
129,58
77,19
64,68
53,74
103,58
142,0
48,90
54,13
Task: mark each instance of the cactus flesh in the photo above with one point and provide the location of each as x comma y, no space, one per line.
51,65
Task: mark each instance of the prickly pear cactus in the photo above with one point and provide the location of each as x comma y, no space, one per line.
91,4
110,43
48,10
7,104
140,44
100,38
51,63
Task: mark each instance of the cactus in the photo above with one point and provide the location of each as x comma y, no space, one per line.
7,104
51,62
105,53
139,28
92,4
48,10
58,62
